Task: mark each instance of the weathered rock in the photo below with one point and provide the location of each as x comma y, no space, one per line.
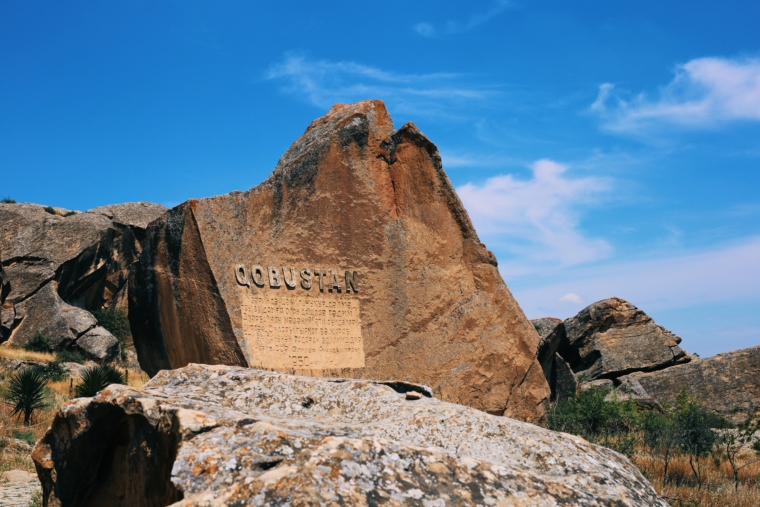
88,254
133,214
224,436
99,345
5,284
37,244
350,196
562,380
7,320
602,383
47,314
10,365
612,337
728,384
551,331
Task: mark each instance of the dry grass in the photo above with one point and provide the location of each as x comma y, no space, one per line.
26,355
58,393
682,489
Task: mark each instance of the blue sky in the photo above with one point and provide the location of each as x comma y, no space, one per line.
602,148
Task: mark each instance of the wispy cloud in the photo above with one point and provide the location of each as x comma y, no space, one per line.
536,220
324,83
453,26
724,273
705,92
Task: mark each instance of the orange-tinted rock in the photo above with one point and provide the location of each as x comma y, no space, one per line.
351,195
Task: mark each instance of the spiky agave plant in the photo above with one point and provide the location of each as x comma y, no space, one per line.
97,378
26,392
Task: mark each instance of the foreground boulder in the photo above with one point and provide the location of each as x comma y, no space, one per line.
224,436
728,384
355,258
58,264
612,337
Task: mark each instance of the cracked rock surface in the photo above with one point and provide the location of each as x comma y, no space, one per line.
56,265
728,384
224,436
612,337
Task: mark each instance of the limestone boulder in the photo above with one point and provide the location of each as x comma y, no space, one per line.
229,436
46,313
562,380
551,331
88,256
5,284
355,258
99,345
728,384
136,215
612,337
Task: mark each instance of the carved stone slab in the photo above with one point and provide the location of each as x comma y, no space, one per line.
302,332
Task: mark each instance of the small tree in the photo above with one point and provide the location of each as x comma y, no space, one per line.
660,435
735,442
26,392
695,435
97,378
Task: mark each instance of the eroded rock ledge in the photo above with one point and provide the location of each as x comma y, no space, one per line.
221,435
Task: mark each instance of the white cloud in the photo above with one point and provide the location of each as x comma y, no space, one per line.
536,220
324,83
726,273
705,92
453,26
571,298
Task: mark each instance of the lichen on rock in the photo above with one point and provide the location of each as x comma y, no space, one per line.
224,436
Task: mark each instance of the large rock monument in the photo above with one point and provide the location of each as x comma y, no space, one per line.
355,258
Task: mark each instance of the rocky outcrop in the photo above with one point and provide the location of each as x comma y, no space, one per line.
355,258
558,373
612,337
47,314
224,436
728,384
99,345
55,266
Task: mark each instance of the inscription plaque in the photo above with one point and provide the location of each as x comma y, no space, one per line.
286,331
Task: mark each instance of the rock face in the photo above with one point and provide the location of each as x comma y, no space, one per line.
227,436
355,258
56,266
99,345
728,384
612,337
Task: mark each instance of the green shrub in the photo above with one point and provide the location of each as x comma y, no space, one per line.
97,378
116,322
67,356
37,343
589,415
26,436
26,392
50,210
8,200
695,434
69,213
36,499
53,371
661,436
